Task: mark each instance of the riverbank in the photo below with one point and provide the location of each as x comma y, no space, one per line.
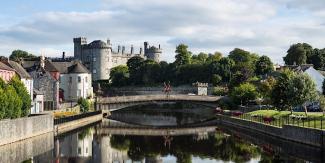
308,136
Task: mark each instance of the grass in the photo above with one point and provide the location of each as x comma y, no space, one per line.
280,118
64,114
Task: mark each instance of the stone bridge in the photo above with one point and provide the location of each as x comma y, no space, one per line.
119,102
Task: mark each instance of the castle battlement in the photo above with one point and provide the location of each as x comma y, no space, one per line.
99,57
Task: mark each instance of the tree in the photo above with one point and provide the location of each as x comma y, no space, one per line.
84,105
263,65
239,55
216,79
298,54
134,64
322,103
265,88
279,95
183,56
14,106
244,93
3,103
119,75
23,95
214,57
201,58
17,54
318,58
323,87
302,89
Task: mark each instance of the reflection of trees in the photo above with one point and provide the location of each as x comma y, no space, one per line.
84,133
216,146
120,143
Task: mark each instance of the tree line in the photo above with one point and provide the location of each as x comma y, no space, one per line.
239,66
15,100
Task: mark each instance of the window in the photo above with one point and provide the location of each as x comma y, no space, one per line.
79,150
79,93
94,59
86,79
79,79
70,79
94,71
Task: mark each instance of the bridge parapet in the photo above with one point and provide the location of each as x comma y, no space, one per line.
143,98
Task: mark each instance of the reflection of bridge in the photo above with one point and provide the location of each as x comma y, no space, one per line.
111,127
119,102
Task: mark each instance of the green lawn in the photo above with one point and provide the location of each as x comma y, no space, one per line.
279,118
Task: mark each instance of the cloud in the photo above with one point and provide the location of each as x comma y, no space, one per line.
207,25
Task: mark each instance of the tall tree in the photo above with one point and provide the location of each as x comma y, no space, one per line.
134,64
298,54
318,58
23,95
244,93
17,54
214,57
239,55
302,89
280,96
119,75
183,56
263,65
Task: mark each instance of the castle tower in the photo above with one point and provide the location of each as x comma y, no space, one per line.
78,43
151,52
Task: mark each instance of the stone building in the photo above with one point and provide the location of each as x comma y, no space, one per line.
99,56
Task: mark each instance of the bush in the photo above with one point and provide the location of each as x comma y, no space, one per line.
84,105
220,91
23,95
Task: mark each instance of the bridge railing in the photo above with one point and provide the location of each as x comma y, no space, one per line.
140,98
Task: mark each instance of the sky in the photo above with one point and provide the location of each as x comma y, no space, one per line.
265,27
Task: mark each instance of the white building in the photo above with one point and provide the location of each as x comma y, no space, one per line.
75,81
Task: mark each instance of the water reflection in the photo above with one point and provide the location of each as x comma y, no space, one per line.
167,114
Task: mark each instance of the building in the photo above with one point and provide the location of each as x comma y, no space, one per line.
99,57
38,100
46,80
201,89
25,78
75,81
6,72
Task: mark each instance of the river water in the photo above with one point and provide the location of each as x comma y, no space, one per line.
159,133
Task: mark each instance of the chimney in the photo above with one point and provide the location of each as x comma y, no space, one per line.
63,55
108,42
141,51
118,49
131,49
123,49
159,46
145,47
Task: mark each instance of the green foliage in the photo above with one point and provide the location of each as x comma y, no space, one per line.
280,94
183,56
323,87
3,103
244,93
23,95
17,54
301,89
263,65
14,107
216,79
119,75
298,54
266,87
84,104
214,57
134,64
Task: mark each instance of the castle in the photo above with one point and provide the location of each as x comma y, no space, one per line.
99,57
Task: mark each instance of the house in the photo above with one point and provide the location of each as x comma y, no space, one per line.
75,81
308,69
46,80
6,72
25,78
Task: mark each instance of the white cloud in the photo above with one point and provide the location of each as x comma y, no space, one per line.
266,27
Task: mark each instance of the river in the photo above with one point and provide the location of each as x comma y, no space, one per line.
156,133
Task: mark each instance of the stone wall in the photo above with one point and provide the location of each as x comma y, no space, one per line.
307,136
22,128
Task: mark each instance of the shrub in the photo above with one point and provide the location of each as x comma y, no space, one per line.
84,105
23,95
